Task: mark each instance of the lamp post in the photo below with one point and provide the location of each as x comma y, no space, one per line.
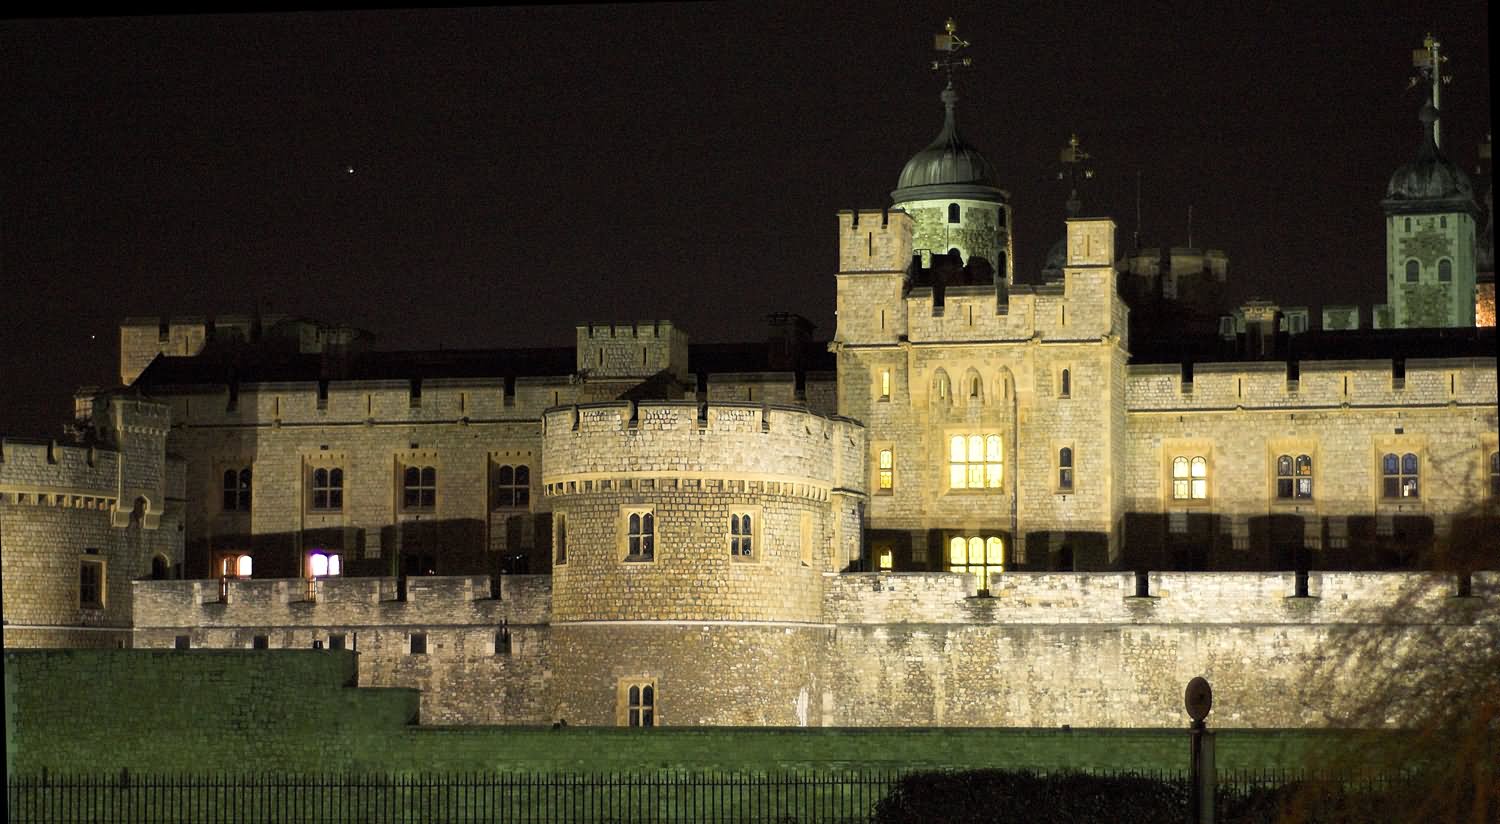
1198,698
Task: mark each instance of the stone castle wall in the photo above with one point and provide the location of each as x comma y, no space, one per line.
466,676
904,649
112,510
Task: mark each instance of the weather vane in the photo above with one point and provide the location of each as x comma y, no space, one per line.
1073,159
1428,61
950,43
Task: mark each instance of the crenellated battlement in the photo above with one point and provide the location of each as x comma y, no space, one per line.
429,601
632,350
1171,598
1330,384
61,473
874,240
719,441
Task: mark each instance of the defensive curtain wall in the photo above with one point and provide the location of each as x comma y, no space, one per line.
78,524
885,650
208,712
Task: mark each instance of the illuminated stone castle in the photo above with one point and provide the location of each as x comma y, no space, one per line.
981,503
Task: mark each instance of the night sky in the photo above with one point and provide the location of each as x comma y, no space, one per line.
516,171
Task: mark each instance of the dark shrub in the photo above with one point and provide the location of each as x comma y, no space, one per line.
1002,796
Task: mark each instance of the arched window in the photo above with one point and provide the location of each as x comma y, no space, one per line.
234,565
740,535
510,486
237,490
1189,478
952,212
243,566
1445,270
419,487
1413,271
640,536
1408,225
1065,388
161,568
941,389
322,564
640,705
328,489
1065,469
1398,475
1294,477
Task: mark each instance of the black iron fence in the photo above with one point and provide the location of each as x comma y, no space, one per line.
520,798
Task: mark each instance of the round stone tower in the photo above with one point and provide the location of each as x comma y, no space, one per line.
690,543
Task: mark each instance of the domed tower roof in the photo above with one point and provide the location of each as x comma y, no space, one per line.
949,167
1431,182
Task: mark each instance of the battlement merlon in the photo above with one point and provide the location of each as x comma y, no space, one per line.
632,349
874,240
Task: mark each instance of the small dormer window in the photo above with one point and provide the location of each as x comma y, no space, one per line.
952,212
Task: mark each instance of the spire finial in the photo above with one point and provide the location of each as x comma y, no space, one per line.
950,43
1073,169
1428,61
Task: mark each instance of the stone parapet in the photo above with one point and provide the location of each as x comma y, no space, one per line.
1185,598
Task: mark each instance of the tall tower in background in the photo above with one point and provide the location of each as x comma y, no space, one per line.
1430,217
951,192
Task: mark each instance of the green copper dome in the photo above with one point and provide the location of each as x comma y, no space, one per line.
1431,179
949,167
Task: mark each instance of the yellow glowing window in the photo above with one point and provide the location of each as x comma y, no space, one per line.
887,469
976,555
974,462
1189,478
885,383
887,560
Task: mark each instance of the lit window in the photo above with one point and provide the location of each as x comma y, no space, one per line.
91,584
1294,477
885,559
976,555
1065,389
510,487
328,489
885,384
942,386
640,705
1413,271
640,536
237,490
741,535
324,564
1445,270
419,488
1399,475
1065,469
887,470
1189,478
974,462
560,537
235,565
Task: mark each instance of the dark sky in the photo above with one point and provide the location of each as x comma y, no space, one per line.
519,170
